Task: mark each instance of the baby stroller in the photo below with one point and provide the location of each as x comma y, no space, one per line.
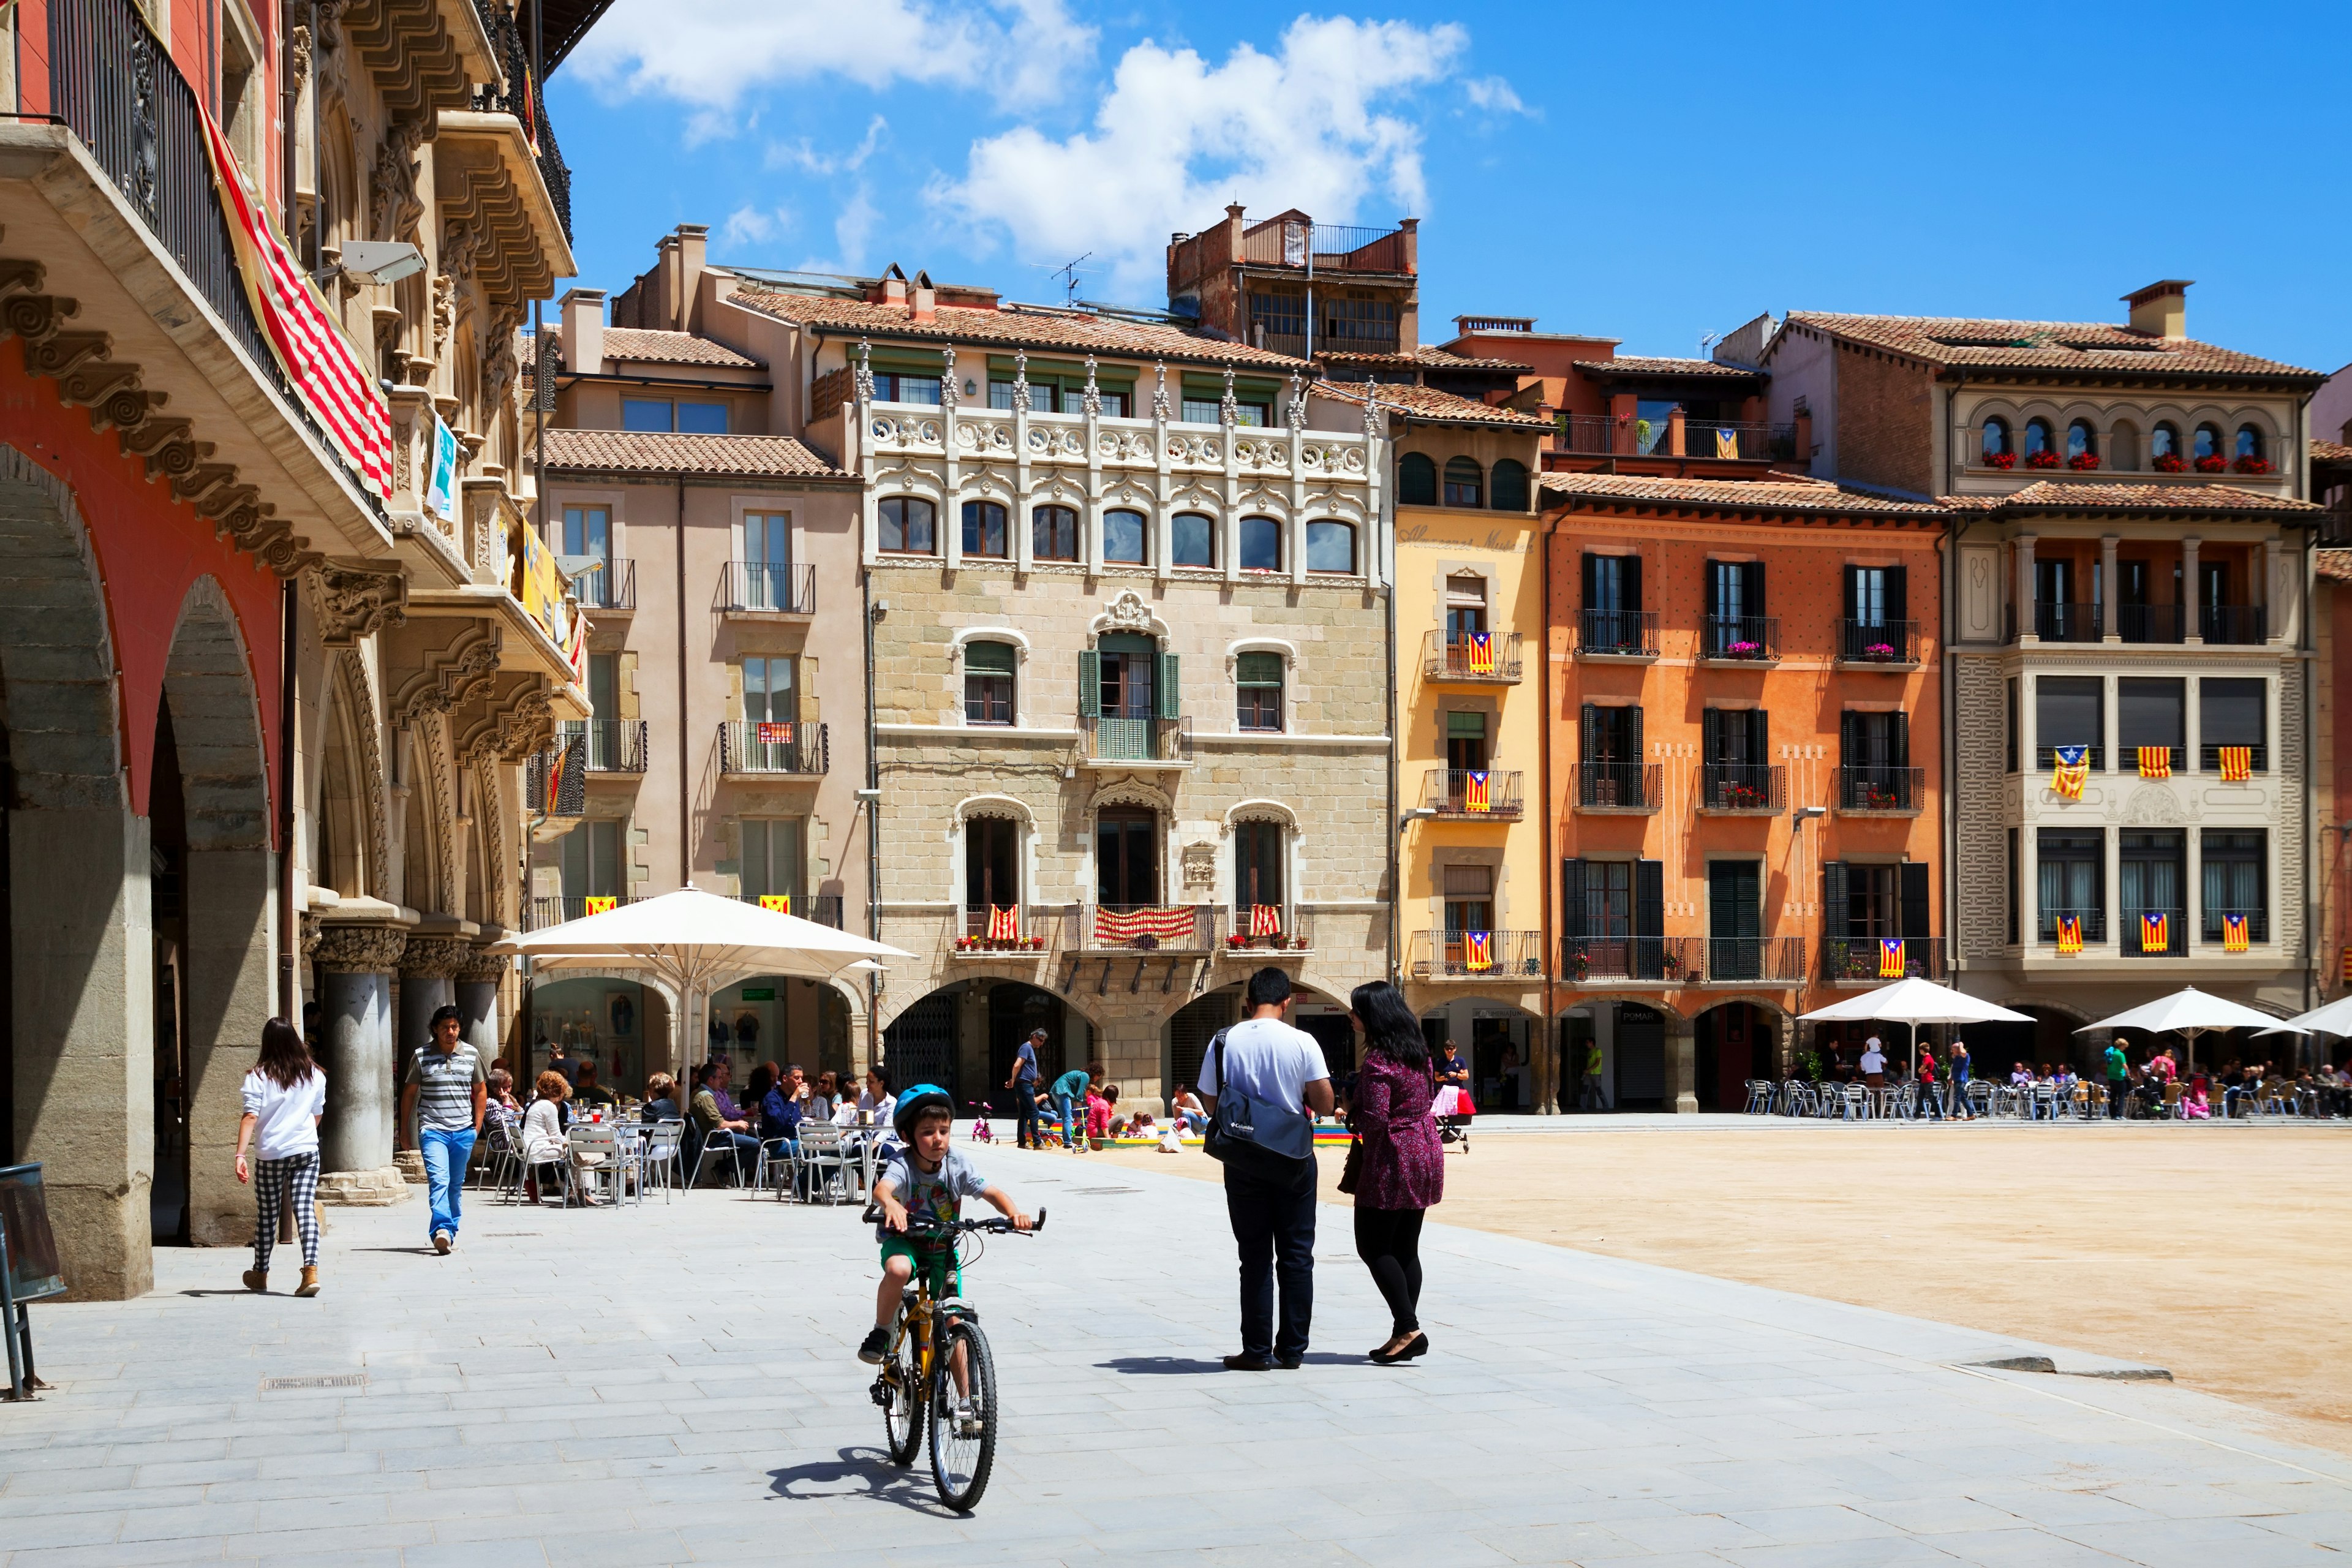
1453,1109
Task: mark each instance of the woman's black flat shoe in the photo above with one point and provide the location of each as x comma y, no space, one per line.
1417,1345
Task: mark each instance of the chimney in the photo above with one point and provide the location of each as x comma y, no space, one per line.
2160,309
583,331
894,286
693,243
927,298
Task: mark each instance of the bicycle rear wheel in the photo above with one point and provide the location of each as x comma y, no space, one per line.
899,1392
963,1423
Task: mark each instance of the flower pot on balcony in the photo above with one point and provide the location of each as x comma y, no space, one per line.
1879,653
2083,462
2000,459
1744,650
2044,459
2211,465
2169,463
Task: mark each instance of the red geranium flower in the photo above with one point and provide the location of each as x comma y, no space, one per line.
2044,458
2170,463
2252,465
2083,462
2210,464
2000,459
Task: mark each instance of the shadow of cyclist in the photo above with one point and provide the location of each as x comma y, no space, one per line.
867,1471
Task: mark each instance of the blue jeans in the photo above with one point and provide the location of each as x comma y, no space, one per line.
1062,1108
446,1151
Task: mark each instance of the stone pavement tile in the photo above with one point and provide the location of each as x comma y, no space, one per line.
2023,1548
475,1554
331,1543
1882,1553
615,1549
2057,1508
63,1481
28,1534
121,1554
98,1499
2193,1501
187,1450
378,1557
1939,1515
1411,1550
1811,1524
197,1472
205,1518
2198,1543
1688,1533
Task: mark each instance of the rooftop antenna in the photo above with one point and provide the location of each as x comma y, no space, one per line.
1706,344
1069,274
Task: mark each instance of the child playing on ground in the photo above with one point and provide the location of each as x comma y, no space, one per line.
930,1180
1099,1104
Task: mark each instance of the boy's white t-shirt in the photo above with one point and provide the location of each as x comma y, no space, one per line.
286,1119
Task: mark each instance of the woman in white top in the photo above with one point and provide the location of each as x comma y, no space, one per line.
285,1095
543,1141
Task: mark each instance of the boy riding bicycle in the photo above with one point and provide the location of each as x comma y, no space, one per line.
928,1180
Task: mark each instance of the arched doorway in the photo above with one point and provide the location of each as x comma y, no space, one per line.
778,1018
1733,1043
1185,1039
622,1025
963,1036
1496,1039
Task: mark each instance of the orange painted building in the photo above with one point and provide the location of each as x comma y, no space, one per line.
1746,771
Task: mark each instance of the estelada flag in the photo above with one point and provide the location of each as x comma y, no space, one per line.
2237,763
2070,933
775,734
782,903
1478,950
2156,761
1266,920
2155,932
1890,958
1475,796
2071,766
2234,933
1482,653
593,905
1003,922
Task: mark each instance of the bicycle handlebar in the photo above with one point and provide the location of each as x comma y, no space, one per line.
935,1231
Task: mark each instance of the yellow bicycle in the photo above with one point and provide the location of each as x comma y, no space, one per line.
938,1367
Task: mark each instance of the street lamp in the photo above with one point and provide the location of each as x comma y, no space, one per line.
1418,813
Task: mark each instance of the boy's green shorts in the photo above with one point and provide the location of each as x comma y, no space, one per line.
936,1264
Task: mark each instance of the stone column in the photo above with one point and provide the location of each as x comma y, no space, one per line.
428,968
2274,623
232,946
354,965
1682,1063
2109,589
2191,628
2024,610
478,976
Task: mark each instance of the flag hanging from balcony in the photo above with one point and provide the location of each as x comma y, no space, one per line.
567,779
1266,920
2070,933
1005,923
2234,934
782,903
1475,796
321,364
2070,766
2237,763
1890,958
1477,950
1481,652
1172,923
1727,443
772,734
2155,932
597,906
2156,761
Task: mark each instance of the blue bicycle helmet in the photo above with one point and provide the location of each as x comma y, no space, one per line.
918,1099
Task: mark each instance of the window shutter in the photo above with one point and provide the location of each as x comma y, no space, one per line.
1710,735
1759,735
1899,735
1090,684
1590,732
1898,593
1633,753
1713,590
1649,897
1592,572
1571,897
1850,740
1752,572
1631,583
1833,910
1853,593
1915,901
1172,690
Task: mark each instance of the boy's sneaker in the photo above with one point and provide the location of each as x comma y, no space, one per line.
875,1347
967,1419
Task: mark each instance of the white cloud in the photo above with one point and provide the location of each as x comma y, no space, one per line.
747,226
803,156
1314,125
1495,94
854,229
710,54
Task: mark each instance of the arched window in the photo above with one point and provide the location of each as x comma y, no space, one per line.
1995,438
909,526
1509,491
2037,438
1193,538
1465,482
983,529
1125,541
1053,533
2249,457
987,669
1257,877
2082,445
2164,448
1258,691
1331,546
2208,446
1416,480
1261,544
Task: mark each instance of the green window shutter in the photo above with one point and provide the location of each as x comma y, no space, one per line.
1465,726
992,657
1090,685
1258,670
1571,898
1834,914
1171,691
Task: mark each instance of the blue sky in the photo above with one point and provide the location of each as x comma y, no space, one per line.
1650,174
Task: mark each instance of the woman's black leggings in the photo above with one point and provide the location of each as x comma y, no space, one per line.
1388,1241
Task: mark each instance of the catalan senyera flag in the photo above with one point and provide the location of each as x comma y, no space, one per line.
1005,923
322,365
2070,767
775,734
1480,648
2237,763
1477,950
592,905
782,903
2156,761
1266,920
2155,932
2346,962
2070,933
1474,793
1890,958
1727,443
2234,934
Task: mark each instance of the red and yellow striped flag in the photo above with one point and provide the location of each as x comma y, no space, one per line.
2237,763
2234,934
1005,923
1890,958
782,903
593,905
1477,950
2156,761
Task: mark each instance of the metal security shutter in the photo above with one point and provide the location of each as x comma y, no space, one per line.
1641,1054
1914,902
1189,1031
919,1045
1571,899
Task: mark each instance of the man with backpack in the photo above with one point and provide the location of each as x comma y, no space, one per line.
1264,1083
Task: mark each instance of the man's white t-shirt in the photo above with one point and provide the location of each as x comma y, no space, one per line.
1270,1064
1873,1059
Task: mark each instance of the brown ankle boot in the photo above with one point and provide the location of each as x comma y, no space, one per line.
256,1279
309,1286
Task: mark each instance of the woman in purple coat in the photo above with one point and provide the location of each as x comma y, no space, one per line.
1403,1169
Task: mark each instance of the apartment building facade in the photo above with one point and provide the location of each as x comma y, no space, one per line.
269,689
2127,611
1746,757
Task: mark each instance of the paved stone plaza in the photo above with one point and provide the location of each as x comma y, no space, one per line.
672,1384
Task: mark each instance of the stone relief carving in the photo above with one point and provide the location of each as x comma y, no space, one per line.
1129,613
392,207
479,965
359,697
353,602
435,957
360,949
1200,864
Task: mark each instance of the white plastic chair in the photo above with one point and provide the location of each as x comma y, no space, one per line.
593,1159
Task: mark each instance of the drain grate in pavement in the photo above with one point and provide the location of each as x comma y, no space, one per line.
341,1380
1102,1192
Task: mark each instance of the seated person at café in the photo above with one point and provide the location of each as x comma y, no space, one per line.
587,1091
874,1104
781,1114
711,1122
503,1109
722,1079
823,1100
2194,1105
545,1150
661,1098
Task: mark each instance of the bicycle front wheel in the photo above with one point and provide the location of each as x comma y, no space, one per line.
899,1392
963,1414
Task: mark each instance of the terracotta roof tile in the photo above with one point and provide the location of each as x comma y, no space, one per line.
2330,452
672,348
1637,364
1782,493
1016,328
654,452
2052,495
2082,346
1442,359
2333,564
1428,403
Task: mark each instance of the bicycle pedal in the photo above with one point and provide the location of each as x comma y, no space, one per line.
880,1393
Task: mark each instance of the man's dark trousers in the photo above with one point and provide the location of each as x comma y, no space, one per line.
1024,1113
1271,1201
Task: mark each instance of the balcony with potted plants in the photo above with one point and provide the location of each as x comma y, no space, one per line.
1006,931
1484,659
1293,935
1891,646
1617,962
1740,641
1455,795
1742,789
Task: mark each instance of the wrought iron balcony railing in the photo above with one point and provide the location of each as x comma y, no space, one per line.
2089,926
1294,931
1463,661
1603,435
549,911
1743,789
1744,639
2152,934
997,930
1756,959
1335,247
1617,786
2217,926
773,587
824,909
1457,795
1878,642
2209,757
614,745
754,746
2232,623
2148,623
1628,960
1617,634
1848,959
1146,928
1112,739
1477,956
1864,790
612,586
526,101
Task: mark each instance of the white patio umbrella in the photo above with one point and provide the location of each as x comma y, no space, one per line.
1914,1001
699,942
2190,1012
2336,1018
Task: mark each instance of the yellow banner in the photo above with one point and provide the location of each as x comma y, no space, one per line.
779,902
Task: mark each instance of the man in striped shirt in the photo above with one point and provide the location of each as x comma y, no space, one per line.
445,1091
